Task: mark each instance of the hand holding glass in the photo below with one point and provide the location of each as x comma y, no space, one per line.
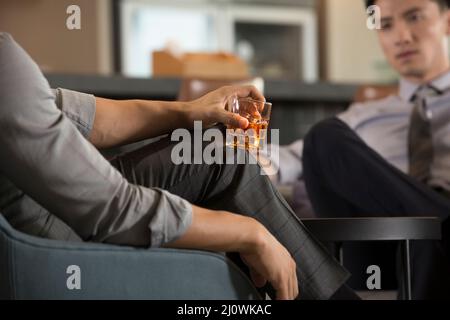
258,115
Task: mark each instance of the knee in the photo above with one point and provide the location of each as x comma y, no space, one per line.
324,140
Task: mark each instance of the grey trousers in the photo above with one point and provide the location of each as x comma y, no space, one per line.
239,188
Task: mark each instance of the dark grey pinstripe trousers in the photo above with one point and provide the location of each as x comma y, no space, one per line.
239,188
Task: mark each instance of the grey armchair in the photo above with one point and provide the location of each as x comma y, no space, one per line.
37,268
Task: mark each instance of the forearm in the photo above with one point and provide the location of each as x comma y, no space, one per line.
119,122
220,231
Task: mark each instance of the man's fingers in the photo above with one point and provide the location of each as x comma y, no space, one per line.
291,287
257,278
232,119
293,279
287,288
283,292
296,287
282,288
245,91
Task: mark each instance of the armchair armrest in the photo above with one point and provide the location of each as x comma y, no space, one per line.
36,268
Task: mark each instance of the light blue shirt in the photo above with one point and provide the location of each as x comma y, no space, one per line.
384,125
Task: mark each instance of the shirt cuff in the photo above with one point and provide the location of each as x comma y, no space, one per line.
78,107
172,219
288,162
290,167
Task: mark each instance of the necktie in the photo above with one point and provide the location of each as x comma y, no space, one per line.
420,144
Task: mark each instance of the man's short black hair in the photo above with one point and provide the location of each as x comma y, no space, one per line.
443,4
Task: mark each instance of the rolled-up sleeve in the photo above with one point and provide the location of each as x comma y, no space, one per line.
78,107
44,154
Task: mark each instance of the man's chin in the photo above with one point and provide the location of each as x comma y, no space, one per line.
411,72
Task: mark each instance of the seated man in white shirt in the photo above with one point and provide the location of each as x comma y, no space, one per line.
391,157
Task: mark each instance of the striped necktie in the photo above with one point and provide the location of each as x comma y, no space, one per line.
420,144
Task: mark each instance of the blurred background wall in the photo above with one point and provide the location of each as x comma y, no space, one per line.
346,50
39,26
352,51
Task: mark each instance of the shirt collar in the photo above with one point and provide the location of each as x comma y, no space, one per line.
407,88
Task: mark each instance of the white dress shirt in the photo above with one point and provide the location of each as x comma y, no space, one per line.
384,125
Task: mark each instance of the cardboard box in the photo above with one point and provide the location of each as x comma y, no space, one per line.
199,65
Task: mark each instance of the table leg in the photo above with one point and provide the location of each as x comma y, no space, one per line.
406,268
